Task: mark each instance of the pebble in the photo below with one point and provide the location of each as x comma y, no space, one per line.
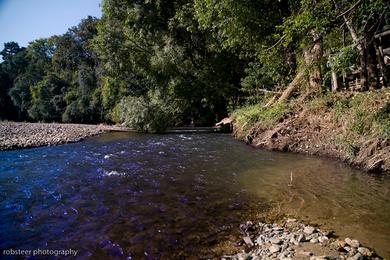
274,249
275,241
354,243
364,251
248,241
355,257
300,238
323,239
309,230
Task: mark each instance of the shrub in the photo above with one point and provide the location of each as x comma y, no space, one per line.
259,113
382,117
150,113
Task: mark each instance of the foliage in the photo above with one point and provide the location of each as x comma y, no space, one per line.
260,114
382,118
48,99
196,59
152,113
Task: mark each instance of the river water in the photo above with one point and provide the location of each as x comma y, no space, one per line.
176,195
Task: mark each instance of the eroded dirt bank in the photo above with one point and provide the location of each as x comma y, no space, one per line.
15,135
354,128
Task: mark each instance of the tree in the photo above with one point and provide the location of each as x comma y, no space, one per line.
48,102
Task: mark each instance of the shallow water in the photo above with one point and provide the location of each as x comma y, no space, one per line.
171,196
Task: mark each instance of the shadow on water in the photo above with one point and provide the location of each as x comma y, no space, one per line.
175,195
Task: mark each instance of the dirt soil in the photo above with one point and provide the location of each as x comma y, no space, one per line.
316,133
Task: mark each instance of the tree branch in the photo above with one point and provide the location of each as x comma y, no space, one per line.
349,9
278,42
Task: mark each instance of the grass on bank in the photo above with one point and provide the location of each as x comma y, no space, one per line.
250,116
354,117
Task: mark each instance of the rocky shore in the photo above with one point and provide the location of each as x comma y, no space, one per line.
14,135
294,240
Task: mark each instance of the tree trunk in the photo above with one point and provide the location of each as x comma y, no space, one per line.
362,53
335,85
363,70
312,56
291,87
372,69
384,71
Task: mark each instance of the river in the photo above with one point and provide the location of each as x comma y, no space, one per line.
176,195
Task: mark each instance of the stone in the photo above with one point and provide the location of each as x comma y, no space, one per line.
341,243
275,241
314,240
291,220
309,230
354,243
248,241
318,258
274,249
323,239
300,238
305,253
355,257
260,240
364,251
348,240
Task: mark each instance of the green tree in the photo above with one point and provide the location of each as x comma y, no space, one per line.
48,102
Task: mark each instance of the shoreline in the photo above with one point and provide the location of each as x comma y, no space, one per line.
375,157
21,135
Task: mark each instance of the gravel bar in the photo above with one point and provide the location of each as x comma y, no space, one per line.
16,135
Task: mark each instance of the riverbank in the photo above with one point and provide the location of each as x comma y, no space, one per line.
17,135
353,127
294,240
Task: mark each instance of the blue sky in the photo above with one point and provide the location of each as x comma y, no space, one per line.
23,21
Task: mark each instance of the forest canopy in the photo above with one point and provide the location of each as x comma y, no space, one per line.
162,63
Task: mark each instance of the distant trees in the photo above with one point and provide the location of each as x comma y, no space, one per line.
52,79
205,58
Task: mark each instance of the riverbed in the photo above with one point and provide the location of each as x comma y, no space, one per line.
176,195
